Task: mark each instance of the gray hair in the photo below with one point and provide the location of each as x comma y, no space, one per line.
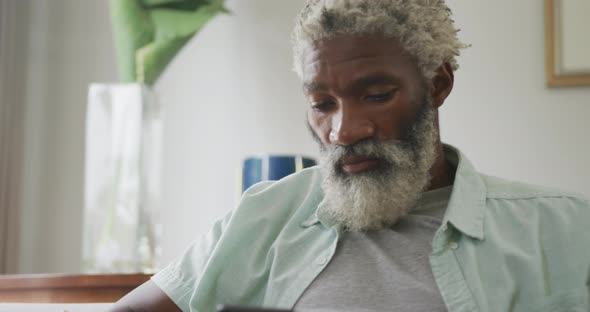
424,28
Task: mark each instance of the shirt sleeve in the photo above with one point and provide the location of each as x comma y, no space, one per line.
178,278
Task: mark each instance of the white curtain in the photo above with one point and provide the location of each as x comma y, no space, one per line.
11,131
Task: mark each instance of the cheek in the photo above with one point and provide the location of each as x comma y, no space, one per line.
388,123
394,119
320,125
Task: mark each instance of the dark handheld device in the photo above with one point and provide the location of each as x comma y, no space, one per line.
226,308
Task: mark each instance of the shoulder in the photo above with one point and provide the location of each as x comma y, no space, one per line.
301,181
301,190
498,188
512,195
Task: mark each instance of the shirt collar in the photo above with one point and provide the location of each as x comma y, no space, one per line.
318,216
466,207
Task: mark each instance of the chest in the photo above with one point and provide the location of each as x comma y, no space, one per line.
385,270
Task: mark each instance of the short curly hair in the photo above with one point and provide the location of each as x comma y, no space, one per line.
424,28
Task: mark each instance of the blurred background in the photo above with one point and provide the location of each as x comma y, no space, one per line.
230,93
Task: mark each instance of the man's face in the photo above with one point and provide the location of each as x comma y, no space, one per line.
375,125
360,87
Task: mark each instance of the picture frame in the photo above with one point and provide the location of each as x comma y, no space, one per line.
567,50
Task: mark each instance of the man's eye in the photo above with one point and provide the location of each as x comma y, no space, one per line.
379,97
322,106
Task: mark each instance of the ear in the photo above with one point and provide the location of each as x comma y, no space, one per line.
442,84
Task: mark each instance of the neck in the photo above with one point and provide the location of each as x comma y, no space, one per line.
441,172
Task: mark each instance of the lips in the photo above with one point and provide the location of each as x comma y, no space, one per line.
358,163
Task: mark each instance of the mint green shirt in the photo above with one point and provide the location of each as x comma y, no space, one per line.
502,246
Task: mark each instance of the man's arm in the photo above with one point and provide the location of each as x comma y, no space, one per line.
146,298
149,297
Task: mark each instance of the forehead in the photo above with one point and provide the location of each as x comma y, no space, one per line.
349,57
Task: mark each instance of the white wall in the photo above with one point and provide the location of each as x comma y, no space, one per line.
69,47
501,113
230,93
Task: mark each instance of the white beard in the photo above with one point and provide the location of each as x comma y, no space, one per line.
379,198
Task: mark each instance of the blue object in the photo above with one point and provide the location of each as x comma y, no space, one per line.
268,167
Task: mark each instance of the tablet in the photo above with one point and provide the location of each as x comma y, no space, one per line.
226,308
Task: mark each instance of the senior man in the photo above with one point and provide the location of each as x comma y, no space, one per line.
392,219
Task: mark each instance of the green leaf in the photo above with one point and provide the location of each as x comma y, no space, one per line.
132,29
175,4
149,33
153,58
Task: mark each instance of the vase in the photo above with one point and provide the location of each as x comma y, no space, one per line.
122,180
271,168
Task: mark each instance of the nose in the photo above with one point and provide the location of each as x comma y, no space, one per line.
349,127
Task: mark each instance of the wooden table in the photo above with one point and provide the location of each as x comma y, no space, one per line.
68,288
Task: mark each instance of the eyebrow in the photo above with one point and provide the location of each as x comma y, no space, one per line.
362,82
311,87
374,79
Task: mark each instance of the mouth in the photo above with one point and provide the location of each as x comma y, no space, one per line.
358,164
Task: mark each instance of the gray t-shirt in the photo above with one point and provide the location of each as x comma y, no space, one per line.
385,270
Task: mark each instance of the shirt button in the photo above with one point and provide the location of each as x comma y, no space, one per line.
453,245
321,260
